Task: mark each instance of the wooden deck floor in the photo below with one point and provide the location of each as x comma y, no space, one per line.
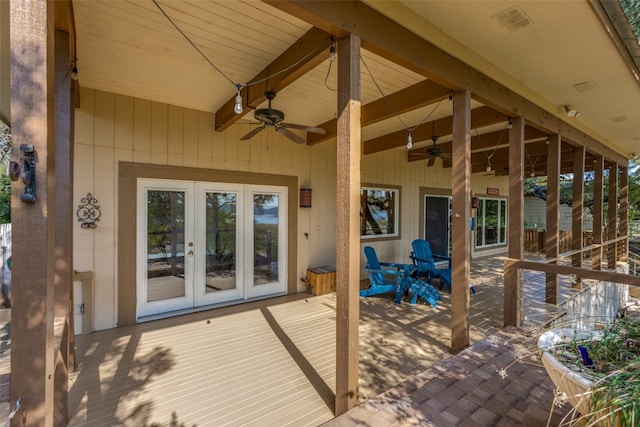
269,362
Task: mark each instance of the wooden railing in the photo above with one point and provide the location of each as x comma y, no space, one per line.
513,267
62,349
634,264
534,240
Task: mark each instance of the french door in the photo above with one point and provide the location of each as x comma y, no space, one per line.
202,243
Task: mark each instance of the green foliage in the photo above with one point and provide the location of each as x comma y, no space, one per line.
632,10
5,199
5,183
634,190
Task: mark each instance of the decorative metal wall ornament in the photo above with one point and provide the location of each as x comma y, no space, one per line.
88,212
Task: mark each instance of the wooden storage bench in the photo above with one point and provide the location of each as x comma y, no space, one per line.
321,280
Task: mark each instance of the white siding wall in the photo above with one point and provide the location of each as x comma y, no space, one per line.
535,215
110,128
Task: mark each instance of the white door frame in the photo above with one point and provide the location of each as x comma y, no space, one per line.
195,266
154,307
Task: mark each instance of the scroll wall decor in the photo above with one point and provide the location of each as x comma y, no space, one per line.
88,212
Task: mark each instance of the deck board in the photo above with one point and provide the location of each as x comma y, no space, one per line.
269,362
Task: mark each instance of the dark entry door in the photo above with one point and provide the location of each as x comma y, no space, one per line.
437,223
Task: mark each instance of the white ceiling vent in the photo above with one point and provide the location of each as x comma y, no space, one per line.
513,18
618,119
581,87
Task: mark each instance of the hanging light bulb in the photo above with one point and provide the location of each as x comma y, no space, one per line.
238,107
488,166
533,173
332,52
74,73
409,140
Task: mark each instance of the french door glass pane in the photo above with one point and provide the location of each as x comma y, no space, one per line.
221,241
491,222
165,244
503,221
265,238
480,224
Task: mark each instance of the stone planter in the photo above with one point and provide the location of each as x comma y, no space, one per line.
573,383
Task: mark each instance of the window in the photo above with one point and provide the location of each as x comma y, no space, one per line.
491,222
379,212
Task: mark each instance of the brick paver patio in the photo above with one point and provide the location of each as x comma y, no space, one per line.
466,390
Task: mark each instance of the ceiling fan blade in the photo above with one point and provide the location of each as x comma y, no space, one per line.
292,136
252,133
431,161
303,127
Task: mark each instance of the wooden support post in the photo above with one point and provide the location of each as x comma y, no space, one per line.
598,190
32,321
612,215
623,245
64,188
552,235
460,222
348,224
512,279
577,213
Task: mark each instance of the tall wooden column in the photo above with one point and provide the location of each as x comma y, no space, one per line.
513,280
598,201
623,245
612,215
348,224
552,235
577,213
460,223
32,111
64,182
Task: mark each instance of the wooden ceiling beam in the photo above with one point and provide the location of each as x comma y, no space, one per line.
392,41
63,20
307,52
480,143
481,116
411,98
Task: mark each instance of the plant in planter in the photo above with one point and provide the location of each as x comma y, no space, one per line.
598,370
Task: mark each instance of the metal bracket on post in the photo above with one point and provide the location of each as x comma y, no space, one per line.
25,168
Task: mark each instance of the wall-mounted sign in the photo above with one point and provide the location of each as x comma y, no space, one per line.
493,191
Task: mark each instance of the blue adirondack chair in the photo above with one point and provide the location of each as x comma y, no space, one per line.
425,262
385,277
390,277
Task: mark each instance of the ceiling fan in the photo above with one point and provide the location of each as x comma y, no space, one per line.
498,172
434,152
270,117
